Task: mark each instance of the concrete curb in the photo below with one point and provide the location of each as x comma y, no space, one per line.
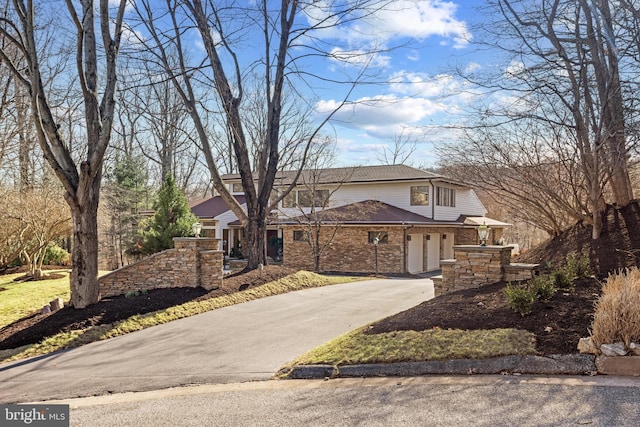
573,364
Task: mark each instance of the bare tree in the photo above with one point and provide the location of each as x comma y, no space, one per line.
47,219
564,73
80,179
527,168
309,205
403,146
281,39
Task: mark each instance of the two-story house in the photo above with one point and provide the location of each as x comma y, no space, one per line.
395,219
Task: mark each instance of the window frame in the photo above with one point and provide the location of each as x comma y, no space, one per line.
300,236
383,237
307,199
414,192
445,197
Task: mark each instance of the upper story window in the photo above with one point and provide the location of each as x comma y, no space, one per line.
289,200
306,199
445,197
274,196
420,195
236,187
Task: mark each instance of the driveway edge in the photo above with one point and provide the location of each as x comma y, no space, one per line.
572,364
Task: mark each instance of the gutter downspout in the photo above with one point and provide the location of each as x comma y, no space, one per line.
433,199
404,248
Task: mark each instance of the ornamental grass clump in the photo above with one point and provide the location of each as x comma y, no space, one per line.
617,315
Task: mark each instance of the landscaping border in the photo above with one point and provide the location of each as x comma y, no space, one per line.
572,364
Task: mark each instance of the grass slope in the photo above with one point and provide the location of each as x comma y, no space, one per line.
19,299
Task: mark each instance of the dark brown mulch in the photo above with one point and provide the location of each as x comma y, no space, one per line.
35,327
557,324
617,248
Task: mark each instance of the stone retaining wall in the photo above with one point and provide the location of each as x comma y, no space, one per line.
475,266
191,263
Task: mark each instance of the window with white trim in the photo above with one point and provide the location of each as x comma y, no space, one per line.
306,199
445,197
420,195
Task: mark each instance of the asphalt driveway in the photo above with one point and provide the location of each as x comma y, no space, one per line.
245,342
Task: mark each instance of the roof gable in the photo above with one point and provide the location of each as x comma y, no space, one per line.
214,206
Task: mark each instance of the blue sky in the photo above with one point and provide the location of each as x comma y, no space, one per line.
423,96
420,97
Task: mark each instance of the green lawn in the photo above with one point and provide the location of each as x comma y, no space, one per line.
356,347
21,298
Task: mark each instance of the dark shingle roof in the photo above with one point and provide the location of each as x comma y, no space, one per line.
369,212
213,207
380,173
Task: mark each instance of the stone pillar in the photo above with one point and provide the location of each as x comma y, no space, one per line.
211,269
448,280
204,258
479,265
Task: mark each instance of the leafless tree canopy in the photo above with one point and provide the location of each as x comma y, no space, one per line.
77,163
558,138
256,58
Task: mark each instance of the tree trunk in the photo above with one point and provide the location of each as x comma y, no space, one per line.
84,254
255,230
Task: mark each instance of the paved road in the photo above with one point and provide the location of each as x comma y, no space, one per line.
245,342
420,401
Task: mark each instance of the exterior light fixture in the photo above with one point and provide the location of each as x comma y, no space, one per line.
197,229
376,240
483,234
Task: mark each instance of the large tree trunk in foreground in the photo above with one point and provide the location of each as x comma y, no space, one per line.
84,254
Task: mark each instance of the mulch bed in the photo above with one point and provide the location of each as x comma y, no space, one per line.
557,324
35,327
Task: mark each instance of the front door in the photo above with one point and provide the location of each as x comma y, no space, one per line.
415,253
433,251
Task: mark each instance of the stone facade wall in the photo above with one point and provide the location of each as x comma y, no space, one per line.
475,266
443,284
211,271
191,263
467,236
479,265
350,250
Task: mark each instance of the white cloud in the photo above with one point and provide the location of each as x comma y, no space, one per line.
417,19
422,84
514,69
414,55
360,57
471,67
382,116
381,110
131,37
